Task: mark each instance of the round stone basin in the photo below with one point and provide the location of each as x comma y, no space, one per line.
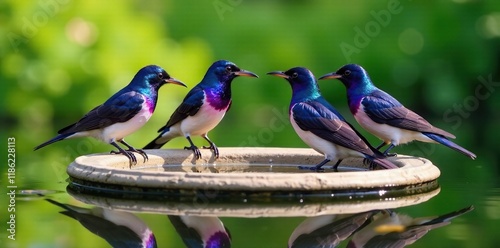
248,170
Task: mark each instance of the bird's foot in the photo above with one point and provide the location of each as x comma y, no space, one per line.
311,168
196,151
390,154
142,152
214,149
131,157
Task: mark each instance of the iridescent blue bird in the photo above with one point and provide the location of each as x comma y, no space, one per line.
203,108
321,127
384,116
122,114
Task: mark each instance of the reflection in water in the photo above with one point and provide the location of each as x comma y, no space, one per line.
390,229
328,230
201,231
124,229
378,228
368,228
118,228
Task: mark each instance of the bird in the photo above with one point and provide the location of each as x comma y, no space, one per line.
391,229
122,114
384,116
328,230
203,108
118,228
322,127
201,231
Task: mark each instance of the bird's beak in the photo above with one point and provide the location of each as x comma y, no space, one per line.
278,74
330,75
174,81
245,73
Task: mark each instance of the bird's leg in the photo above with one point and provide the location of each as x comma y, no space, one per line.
316,167
386,152
212,146
336,165
196,151
132,149
131,157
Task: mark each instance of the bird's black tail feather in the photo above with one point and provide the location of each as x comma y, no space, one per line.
444,141
382,162
447,217
378,158
53,140
156,143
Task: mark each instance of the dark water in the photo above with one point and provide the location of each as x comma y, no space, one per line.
68,217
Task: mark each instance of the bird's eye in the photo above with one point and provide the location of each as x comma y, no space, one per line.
295,75
347,73
160,75
229,69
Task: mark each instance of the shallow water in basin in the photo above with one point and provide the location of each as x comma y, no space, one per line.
228,168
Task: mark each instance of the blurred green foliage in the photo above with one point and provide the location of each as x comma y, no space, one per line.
61,58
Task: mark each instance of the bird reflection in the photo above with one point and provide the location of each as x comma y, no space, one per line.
391,229
377,228
203,232
118,228
328,230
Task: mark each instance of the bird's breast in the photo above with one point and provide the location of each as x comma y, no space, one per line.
120,130
206,119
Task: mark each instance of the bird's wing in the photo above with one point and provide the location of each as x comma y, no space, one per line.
390,240
116,235
119,108
385,109
189,106
335,232
322,120
188,234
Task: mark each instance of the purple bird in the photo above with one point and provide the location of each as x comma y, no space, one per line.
383,116
122,114
203,108
321,127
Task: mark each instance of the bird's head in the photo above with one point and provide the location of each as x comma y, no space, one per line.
219,239
226,71
155,76
301,79
351,75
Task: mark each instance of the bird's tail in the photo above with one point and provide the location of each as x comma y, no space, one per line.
161,140
378,158
446,218
53,140
381,162
444,141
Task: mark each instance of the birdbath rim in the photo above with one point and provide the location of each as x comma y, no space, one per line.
249,169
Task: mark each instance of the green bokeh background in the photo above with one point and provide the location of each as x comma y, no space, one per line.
61,58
